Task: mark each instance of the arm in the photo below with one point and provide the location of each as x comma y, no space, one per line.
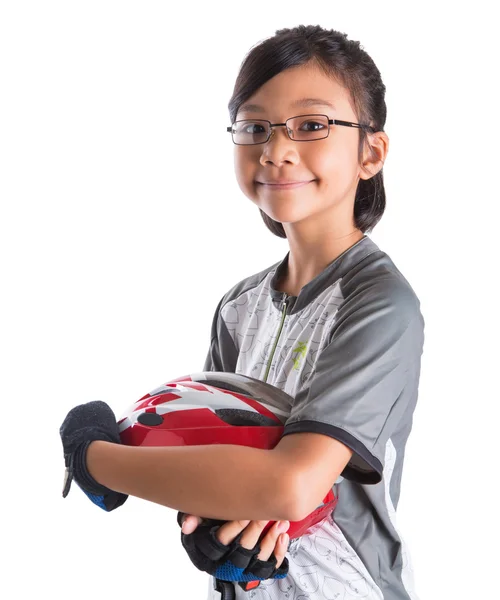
318,460
225,481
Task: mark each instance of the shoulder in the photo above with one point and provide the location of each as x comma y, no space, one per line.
375,285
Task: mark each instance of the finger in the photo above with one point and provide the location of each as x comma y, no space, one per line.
269,544
230,531
252,534
281,549
190,523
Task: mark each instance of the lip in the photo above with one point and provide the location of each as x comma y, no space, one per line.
284,186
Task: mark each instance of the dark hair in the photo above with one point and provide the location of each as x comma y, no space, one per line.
346,61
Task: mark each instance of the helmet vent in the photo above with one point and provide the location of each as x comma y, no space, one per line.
233,416
150,419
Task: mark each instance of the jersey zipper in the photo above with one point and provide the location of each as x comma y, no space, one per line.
283,307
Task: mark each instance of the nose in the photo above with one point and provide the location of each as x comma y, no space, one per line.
279,148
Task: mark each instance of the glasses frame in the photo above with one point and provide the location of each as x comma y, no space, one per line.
271,130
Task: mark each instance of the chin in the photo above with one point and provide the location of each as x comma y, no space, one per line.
284,216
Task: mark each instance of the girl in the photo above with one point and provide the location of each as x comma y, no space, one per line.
334,324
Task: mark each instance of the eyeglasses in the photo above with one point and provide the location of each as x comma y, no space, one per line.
303,128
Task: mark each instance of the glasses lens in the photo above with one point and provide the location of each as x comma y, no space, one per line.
250,131
308,127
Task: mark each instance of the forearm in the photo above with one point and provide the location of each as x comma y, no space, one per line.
215,481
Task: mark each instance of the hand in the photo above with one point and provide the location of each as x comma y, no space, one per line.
83,425
232,551
274,542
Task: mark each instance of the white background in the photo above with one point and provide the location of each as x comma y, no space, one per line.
122,226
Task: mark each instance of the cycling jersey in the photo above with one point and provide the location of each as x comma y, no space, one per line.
348,351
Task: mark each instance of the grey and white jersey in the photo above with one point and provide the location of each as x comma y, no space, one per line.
348,350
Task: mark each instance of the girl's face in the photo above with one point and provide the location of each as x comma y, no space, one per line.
329,166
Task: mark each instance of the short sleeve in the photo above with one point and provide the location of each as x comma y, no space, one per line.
221,355
365,382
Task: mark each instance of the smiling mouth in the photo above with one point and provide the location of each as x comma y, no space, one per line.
284,186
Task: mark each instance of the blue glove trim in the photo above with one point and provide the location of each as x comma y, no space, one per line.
99,500
228,572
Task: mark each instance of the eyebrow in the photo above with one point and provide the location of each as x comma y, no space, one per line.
302,103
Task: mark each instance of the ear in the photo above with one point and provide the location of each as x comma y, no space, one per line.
374,154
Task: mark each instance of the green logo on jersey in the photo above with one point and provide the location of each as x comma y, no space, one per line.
301,349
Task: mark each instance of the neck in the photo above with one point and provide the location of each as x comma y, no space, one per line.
309,256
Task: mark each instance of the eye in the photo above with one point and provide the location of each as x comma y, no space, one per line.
312,126
253,128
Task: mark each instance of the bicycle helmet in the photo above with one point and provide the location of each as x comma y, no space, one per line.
215,408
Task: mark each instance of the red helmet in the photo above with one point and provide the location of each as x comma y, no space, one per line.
215,408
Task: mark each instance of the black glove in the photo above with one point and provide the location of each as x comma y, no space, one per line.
84,424
228,563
